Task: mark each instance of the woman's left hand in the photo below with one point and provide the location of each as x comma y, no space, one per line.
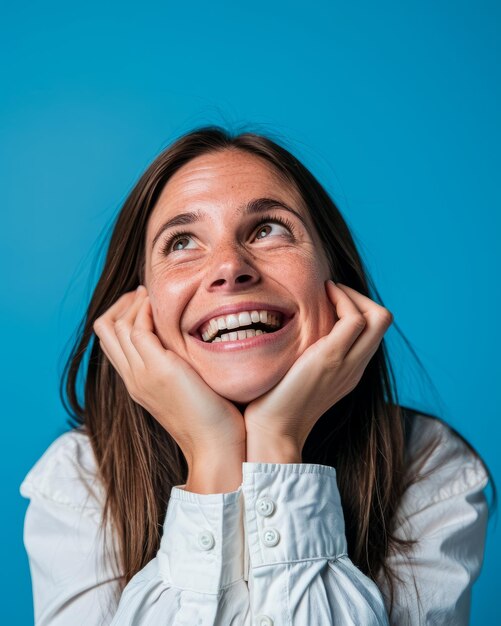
279,421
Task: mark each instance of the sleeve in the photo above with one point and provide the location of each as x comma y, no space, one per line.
447,514
71,581
197,575
195,578
299,569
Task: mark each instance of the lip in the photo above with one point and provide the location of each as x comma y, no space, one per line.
250,342
237,308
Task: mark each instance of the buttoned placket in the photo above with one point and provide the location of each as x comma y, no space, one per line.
246,546
270,537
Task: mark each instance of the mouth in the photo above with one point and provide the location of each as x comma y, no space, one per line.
255,334
238,327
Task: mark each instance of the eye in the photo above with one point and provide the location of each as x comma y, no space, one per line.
267,221
172,241
179,240
262,229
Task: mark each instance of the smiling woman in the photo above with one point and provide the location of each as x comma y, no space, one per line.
261,259
240,456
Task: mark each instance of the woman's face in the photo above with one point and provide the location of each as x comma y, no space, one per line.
234,258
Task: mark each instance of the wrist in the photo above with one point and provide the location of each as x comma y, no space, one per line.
272,449
216,472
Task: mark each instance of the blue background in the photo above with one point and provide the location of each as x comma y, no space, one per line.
393,106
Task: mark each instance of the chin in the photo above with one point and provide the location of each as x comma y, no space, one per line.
243,392
240,394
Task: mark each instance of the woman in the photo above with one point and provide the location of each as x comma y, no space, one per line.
240,456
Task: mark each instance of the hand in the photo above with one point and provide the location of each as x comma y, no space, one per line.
279,421
207,427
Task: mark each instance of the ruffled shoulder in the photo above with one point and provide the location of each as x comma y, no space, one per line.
67,473
443,464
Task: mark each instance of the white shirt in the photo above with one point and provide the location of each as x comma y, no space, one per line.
271,553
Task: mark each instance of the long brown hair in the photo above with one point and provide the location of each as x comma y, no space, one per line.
363,436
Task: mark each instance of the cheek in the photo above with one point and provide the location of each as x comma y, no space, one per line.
322,312
326,309
165,310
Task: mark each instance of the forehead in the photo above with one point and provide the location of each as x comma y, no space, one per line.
224,180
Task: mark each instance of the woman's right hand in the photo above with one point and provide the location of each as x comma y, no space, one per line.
208,428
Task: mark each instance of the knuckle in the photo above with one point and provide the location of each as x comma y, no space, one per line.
334,361
125,296
136,334
386,316
120,325
98,324
359,322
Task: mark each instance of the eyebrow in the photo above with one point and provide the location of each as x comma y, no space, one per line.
253,207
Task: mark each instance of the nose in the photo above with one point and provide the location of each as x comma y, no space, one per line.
231,270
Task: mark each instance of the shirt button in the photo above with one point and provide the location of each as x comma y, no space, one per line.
206,540
264,620
271,537
265,506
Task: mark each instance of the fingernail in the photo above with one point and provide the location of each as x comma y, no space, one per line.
139,287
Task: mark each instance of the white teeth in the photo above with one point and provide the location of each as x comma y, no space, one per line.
220,323
244,319
234,321
237,336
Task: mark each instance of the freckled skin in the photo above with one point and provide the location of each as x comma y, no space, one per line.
230,259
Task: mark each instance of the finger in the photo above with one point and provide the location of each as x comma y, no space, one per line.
379,319
104,328
109,344
123,328
103,348
120,306
350,325
144,338
111,361
366,305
